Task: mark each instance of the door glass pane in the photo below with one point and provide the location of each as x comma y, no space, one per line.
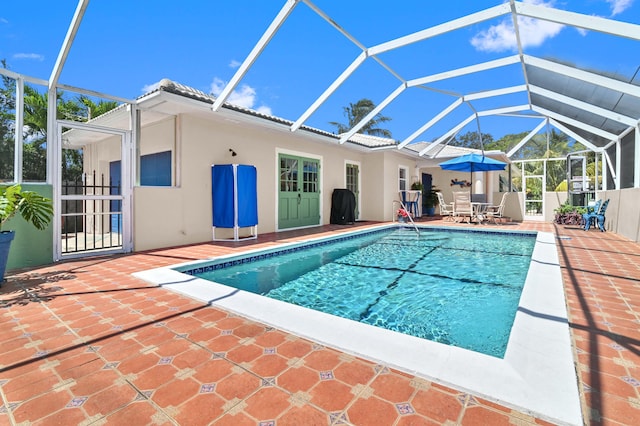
288,174
352,178
310,176
352,183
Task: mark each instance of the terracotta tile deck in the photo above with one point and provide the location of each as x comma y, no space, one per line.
84,342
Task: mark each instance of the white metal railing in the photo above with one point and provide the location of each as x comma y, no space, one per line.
403,207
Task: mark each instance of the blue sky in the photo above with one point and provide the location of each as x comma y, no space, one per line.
124,48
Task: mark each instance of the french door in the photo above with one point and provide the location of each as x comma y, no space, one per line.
299,191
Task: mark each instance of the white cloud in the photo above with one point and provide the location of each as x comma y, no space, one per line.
3,21
533,32
34,56
234,63
150,87
216,86
619,6
244,96
263,109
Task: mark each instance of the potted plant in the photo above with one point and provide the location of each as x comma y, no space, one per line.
430,200
402,215
34,209
568,214
417,186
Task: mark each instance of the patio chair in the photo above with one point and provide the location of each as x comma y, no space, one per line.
413,198
446,209
592,209
496,212
597,215
462,206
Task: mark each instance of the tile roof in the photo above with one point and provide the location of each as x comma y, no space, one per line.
170,86
367,141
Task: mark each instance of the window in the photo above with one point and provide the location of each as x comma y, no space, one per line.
403,172
155,169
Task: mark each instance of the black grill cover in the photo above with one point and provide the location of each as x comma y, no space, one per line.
343,207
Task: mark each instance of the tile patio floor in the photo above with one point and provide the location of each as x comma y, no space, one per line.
84,342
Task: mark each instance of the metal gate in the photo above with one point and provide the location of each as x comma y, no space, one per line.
90,224
93,214
534,188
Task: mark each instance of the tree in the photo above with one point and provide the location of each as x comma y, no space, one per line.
35,133
471,140
355,112
7,125
36,104
506,142
93,110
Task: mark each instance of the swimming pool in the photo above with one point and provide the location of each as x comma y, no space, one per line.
448,286
536,374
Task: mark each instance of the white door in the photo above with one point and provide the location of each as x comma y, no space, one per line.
533,187
352,183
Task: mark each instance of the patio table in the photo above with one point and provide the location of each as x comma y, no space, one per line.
478,211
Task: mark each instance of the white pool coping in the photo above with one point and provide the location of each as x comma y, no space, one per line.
537,375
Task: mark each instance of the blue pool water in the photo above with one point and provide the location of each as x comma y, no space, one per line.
457,288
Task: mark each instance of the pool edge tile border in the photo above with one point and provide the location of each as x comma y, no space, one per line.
537,375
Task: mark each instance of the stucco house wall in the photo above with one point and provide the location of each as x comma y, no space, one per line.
623,212
197,138
372,181
167,216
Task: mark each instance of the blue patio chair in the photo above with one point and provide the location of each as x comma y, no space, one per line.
589,216
597,215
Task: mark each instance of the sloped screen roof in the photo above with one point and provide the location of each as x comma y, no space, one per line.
603,97
436,69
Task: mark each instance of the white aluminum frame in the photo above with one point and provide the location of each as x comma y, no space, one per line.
126,196
512,8
515,9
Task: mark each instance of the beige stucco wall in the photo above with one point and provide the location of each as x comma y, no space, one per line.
178,215
623,212
181,214
622,215
390,180
372,183
552,201
158,137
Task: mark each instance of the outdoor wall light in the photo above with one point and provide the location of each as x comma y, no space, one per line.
233,153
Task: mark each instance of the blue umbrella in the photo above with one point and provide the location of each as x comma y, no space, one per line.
473,163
